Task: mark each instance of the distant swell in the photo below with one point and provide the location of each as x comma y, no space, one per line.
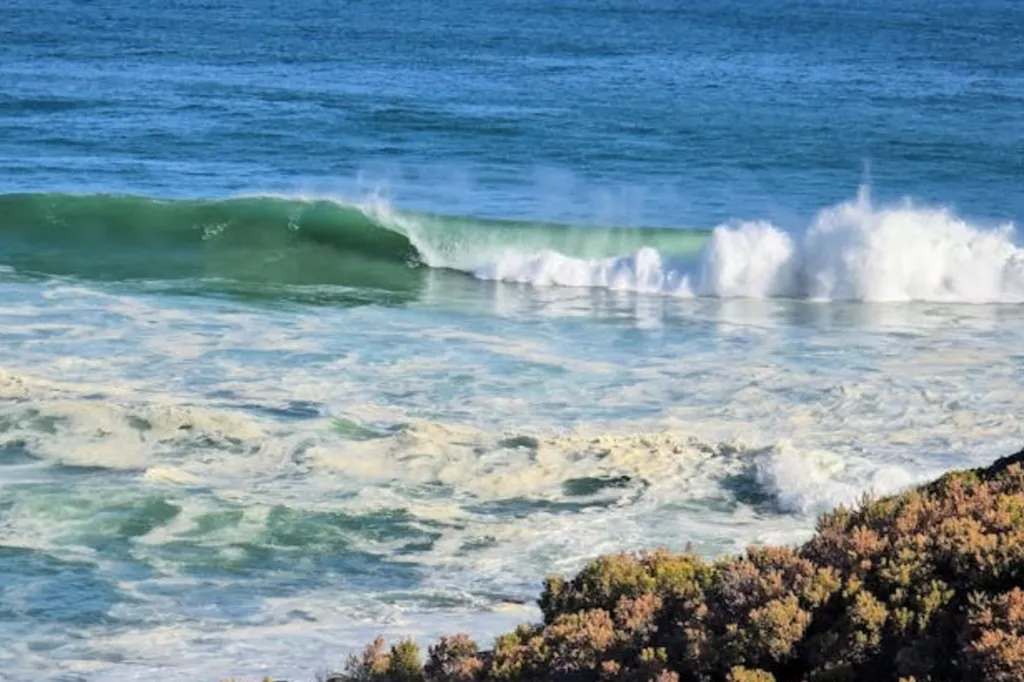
851,251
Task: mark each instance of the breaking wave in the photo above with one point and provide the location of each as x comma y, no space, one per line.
852,251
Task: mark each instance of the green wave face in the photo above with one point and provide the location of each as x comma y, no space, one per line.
266,241
466,243
259,240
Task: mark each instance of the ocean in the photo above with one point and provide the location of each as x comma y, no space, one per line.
322,319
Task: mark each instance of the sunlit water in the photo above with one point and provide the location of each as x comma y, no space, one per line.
321,321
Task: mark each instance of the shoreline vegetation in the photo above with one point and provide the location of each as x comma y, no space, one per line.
923,586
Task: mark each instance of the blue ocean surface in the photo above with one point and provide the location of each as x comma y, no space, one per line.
324,319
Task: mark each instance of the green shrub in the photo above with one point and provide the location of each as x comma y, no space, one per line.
378,664
741,674
453,659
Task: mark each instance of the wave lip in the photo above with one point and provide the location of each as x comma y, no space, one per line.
283,240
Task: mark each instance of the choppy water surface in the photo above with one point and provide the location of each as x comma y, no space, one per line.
318,321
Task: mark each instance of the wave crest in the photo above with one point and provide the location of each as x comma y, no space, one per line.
853,251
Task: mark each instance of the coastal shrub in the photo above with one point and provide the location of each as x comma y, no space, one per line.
741,674
453,659
995,637
379,664
925,586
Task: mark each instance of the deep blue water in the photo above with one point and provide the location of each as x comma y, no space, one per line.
649,111
320,318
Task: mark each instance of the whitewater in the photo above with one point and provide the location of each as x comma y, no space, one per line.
326,320
329,418
851,251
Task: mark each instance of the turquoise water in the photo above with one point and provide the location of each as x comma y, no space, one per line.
320,320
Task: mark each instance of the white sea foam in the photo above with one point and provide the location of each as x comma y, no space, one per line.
803,415
855,250
852,251
812,482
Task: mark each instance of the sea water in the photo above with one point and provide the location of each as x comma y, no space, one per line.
320,320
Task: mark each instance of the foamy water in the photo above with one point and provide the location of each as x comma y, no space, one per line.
254,490
323,320
853,251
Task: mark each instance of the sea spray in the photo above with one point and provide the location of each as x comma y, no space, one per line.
852,251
